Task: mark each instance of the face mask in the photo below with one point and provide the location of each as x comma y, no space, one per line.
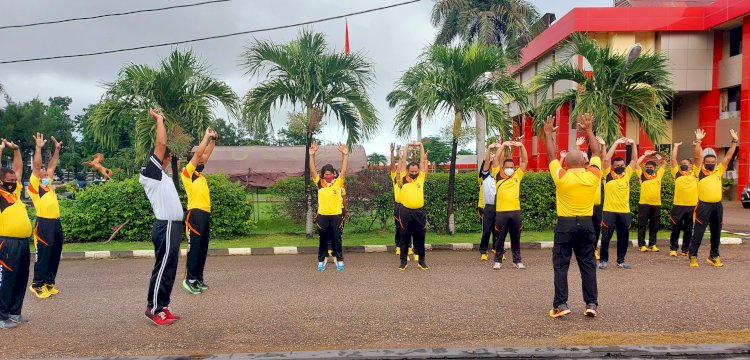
710,167
414,176
45,181
9,186
684,167
328,178
200,168
508,171
619,170
650,171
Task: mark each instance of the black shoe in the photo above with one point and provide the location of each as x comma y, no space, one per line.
590,310
403,265
423,265
201,285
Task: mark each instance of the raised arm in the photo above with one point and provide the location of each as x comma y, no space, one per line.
52,165
422,158
312,151
675,149
211,146
487,159
402,165
698,149
499,153
588,127
602,147
17,160
549,143
633,154
201,150
36,168
524,156
160,146
732,148
607,161
344,160
643,157
393,159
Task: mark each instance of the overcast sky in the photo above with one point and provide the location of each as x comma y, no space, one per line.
392,39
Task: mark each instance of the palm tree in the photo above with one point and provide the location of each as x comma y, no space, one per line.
455,81
181,87
376,159
304,72
642,93
409,105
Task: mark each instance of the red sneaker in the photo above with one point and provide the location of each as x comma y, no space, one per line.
169,316
159,319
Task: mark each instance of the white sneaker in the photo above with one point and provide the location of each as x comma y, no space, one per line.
497,266
519,265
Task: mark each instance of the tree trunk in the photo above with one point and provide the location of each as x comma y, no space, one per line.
451,228
481,125
419,125
314,118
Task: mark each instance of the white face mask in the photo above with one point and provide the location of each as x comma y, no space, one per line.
509,171
45,181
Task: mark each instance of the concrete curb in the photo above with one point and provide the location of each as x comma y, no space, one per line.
295,250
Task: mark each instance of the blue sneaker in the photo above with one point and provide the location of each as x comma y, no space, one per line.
339,265
322,265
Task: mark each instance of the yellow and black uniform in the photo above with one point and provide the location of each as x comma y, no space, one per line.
198,222
649,205
574,232
48,234
616,213
685,200
487,196
330,220
396,209
709,212
598,208
15,230
480,201
413,216
508,213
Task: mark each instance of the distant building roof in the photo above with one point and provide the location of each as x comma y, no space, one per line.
263,166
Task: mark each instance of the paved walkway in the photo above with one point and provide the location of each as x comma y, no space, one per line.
736,218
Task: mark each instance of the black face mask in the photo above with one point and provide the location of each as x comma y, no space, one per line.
684,167
619,170
10,186
650,171
200,168
710,167
414,176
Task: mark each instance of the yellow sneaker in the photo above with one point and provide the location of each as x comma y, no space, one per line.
416,257
654,248
694,261
596,254
684,253
411,251
673,253
52,289
494,251
398,251
503,257
40,292
644,249
715,261
484,257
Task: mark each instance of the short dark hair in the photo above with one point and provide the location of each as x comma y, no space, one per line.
651,162
327,167
688,160
508,161
5,171
412,164
617,158
709,156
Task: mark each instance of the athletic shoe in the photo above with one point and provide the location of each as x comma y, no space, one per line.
684,253
40,292
673,253
623,265
493,250
339,265
403,265
590,310
191,287
202,285
52,289
7,324
497,266
503,257
169,316
559,311
596,254
484,257
18,319
694,261
520,266
423,265
715,261
398,251
322,264
159,319
644,249
654,248
602,265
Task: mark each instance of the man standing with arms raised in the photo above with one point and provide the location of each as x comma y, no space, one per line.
685,200
616,215
649,204
168,227
488,195
574,232
413,214
508,204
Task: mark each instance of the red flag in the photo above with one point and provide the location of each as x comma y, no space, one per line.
346,42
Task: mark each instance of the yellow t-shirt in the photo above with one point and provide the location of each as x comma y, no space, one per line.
576,188
396,189
508,191
617,190
196,188
709,183
44,198
650,187
14,220
685,187
480,202
412,192
598,194
330,201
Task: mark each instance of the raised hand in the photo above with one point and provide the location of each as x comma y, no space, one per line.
600,140
313,148
700,134
2,145
678,144
39,139
587,122
11,145
549,127
631,141
580,140
734,135
343,149
58,144
563,154
156,114
649,152
393,147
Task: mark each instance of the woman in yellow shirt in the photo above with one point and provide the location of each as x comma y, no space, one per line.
330,218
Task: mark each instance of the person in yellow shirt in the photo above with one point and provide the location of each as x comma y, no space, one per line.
413,215
649,203
396,200
508,204
685,200
15,230
487,197
709,212
198,222
48,234
330,218
616,210
574,232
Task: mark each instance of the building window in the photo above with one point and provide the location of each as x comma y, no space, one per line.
733,99
735,41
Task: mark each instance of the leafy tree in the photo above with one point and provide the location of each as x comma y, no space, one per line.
407,97
295,132
440,150
376,159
